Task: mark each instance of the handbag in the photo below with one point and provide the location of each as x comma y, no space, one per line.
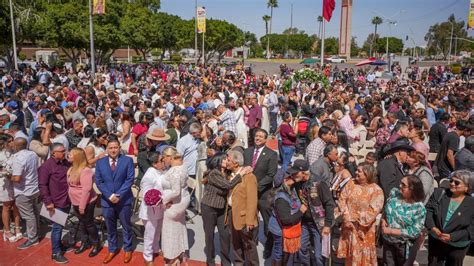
292,238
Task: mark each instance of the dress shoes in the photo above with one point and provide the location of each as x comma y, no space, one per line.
109,257
96,248
84,246
127,257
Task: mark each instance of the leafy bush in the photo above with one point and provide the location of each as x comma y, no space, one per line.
311,76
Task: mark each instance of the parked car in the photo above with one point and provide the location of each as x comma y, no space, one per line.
335,59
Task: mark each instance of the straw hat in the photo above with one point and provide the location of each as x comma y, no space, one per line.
158,134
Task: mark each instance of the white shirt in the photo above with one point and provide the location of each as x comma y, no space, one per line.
25,164
151,180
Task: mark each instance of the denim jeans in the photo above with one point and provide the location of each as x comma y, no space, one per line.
277,251
56,233
309,229
288,152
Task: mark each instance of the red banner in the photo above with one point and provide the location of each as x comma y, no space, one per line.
328,8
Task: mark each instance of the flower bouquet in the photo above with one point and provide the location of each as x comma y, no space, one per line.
152,197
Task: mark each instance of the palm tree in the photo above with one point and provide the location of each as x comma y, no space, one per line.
320,21
376,21
271,4
266,18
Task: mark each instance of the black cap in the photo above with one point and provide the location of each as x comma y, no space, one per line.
299,165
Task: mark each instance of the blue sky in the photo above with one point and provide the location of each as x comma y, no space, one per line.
414,20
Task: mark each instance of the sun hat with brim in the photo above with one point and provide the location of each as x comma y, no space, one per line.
158,134
399,145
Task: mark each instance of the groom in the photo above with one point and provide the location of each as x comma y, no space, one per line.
114,177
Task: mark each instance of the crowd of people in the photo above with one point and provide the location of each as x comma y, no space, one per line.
330,174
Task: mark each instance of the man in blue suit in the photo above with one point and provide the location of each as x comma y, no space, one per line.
114,178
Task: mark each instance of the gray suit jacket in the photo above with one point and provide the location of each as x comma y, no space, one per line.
321,170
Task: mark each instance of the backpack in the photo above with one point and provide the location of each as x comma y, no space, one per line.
303,126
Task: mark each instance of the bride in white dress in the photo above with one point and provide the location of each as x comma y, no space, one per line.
242,129
176,198
263,102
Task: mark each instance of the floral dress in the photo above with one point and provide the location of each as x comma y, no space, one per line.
360,204
408,217
6,186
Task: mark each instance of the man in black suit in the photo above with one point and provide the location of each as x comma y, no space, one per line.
437,132
390,170
264,162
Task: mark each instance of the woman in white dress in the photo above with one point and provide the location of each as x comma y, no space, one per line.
6,192
95,150
124,130
263,102
242,129
359,133
152,216
176,198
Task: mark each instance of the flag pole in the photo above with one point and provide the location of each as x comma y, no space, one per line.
323,36
91,33
203,53
15,58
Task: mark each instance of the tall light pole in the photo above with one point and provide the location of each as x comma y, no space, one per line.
195,31
450,42
390,23
91,33
15,58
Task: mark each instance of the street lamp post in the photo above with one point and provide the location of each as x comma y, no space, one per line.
390,23
15,58
195,31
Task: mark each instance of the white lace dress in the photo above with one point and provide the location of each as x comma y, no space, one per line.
265,115
242,129
174,237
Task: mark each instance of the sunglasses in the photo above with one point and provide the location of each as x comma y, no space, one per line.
455,181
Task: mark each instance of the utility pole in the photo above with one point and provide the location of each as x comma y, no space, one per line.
450,43
290,31
15,58
323,34
91,33
195,31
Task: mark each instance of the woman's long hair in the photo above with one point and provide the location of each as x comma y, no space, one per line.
79,162
4,139
97,134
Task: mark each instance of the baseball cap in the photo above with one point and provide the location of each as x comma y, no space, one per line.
299,165
12,104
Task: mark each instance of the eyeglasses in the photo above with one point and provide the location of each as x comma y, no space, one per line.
61,151
455,181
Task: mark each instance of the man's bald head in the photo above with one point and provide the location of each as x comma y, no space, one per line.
20,144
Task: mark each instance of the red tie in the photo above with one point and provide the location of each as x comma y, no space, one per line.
255,158
113,166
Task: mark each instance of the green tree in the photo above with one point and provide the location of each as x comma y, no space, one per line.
354,47
331,46
439,36
369,45
375,21
270,4
140,29
266,19
66,26
395,45
220,37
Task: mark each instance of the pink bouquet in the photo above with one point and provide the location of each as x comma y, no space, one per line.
152,197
